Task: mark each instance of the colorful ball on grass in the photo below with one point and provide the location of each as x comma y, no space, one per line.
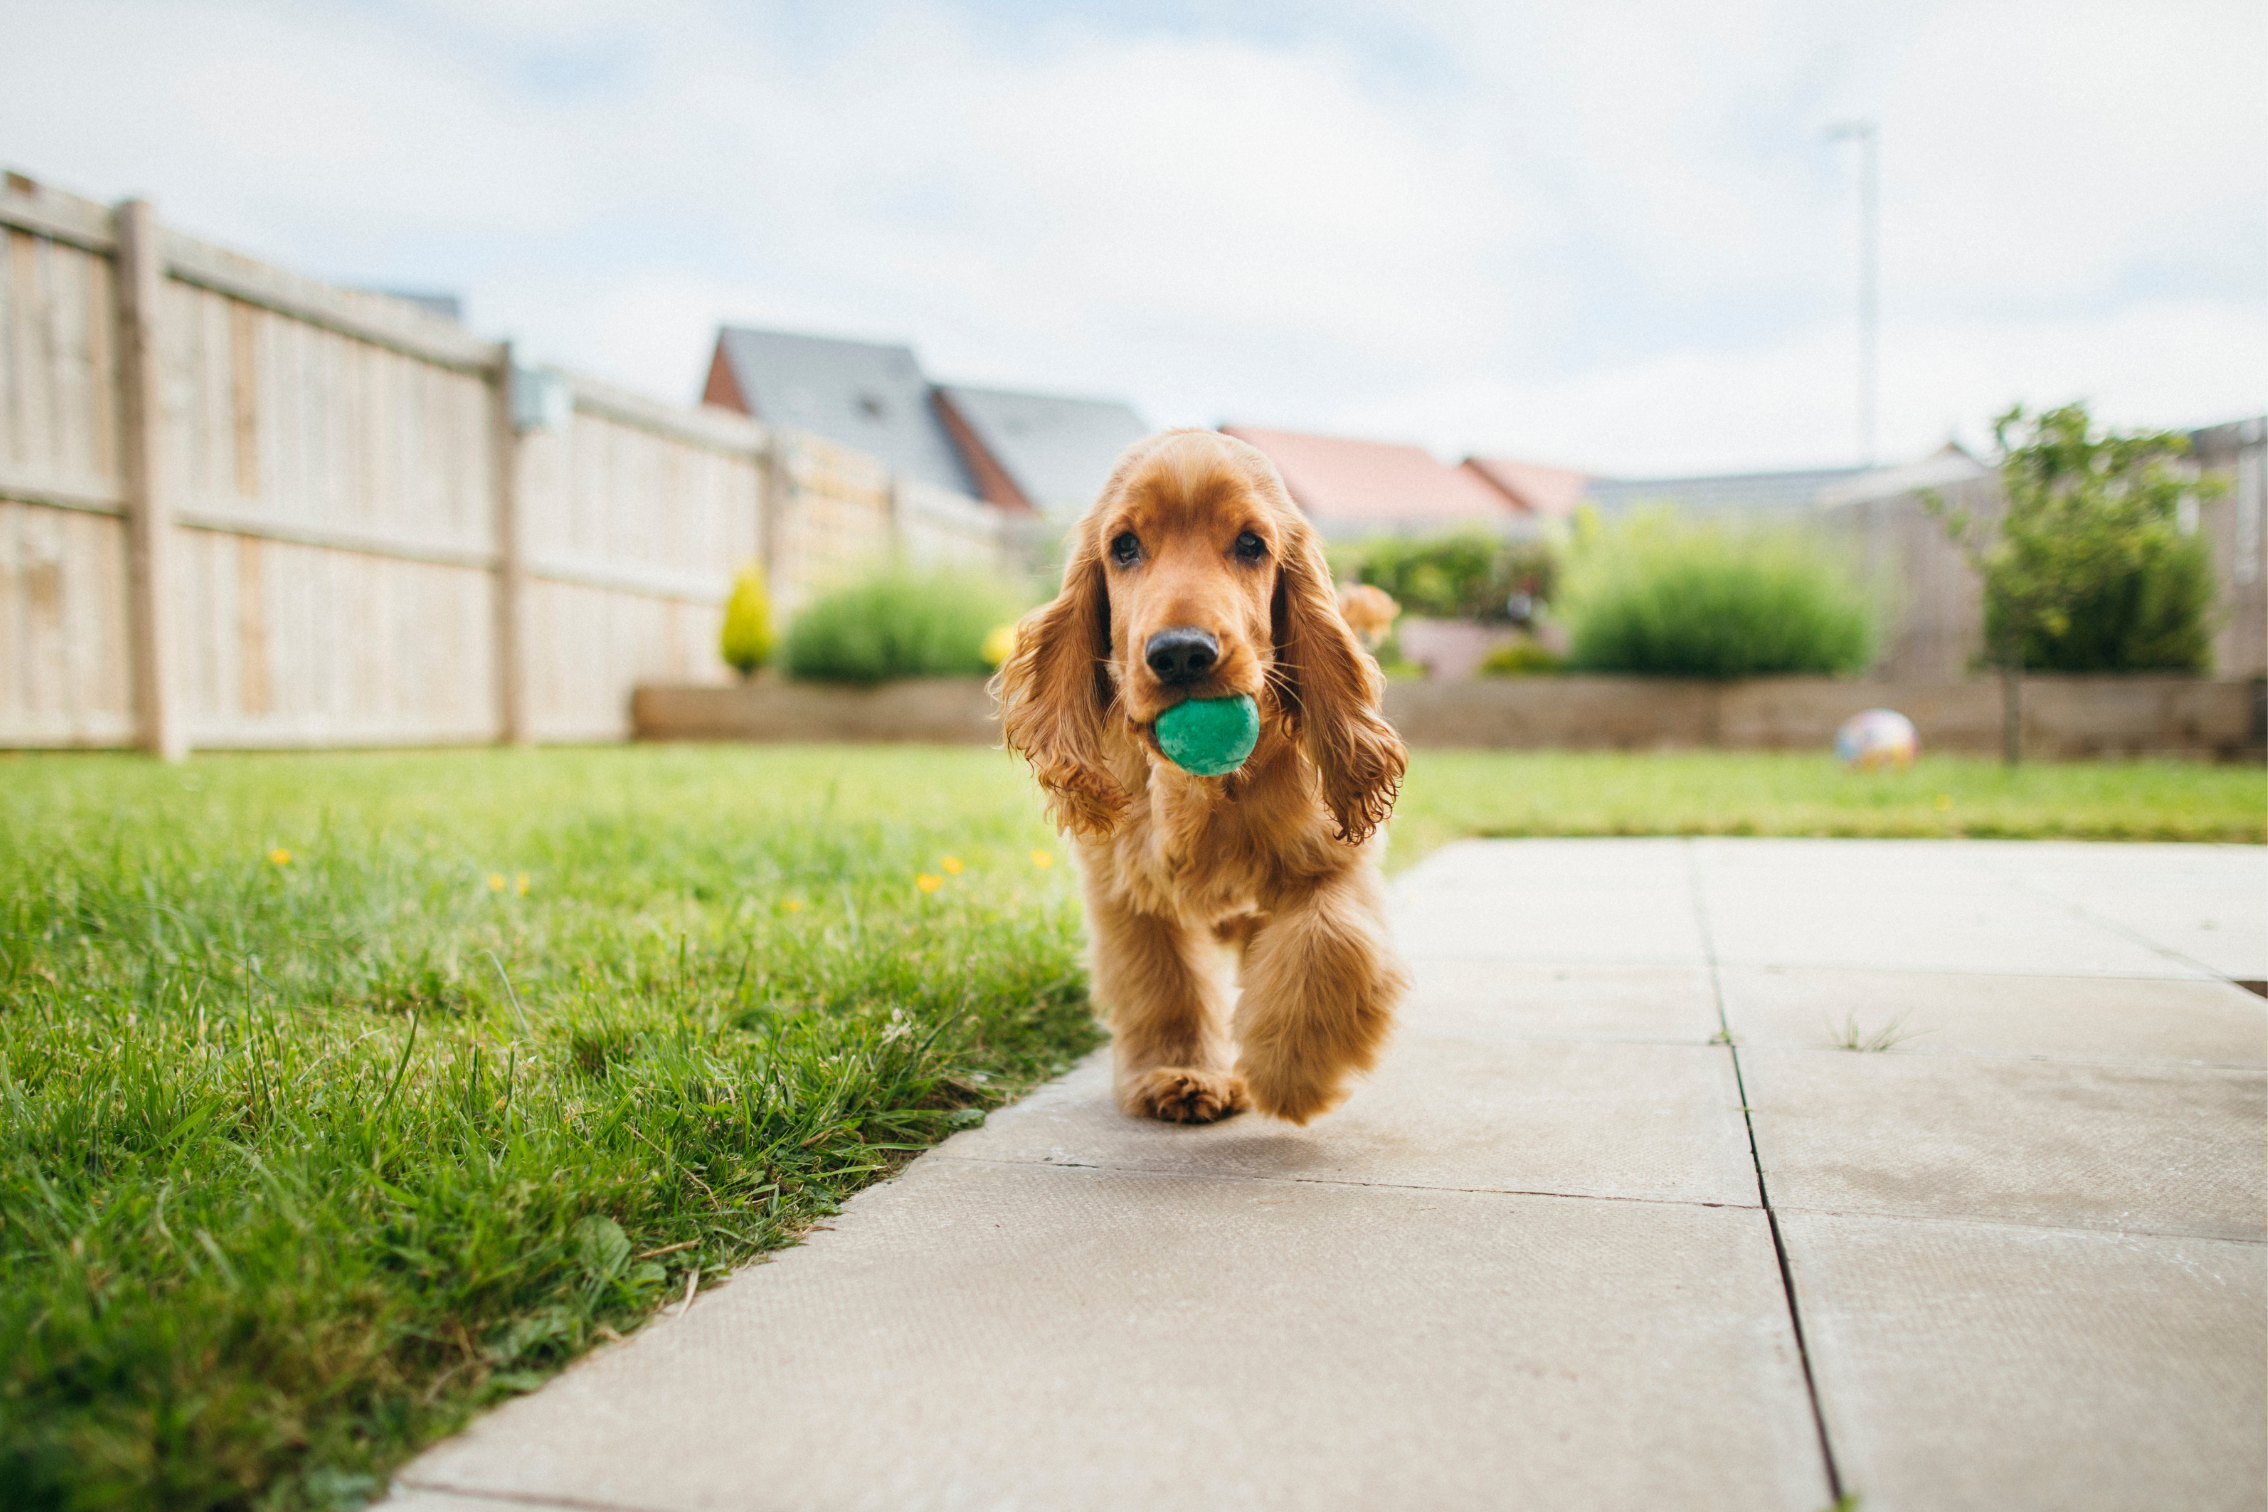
1876,740
1210,736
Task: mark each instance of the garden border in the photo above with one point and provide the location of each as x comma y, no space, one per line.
2064,716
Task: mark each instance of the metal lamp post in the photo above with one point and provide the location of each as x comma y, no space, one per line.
1870,274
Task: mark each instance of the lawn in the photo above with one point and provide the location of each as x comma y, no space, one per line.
346,1094
1455,793
343,1095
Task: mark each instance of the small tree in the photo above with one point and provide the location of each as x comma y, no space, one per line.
747,639
2090,518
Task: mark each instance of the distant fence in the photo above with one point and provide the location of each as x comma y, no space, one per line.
240,508
1935,623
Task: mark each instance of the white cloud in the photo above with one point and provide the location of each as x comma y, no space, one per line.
1601,233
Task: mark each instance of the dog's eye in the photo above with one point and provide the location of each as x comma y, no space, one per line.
1126,550
1250,548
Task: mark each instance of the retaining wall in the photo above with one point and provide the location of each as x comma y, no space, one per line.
2063,716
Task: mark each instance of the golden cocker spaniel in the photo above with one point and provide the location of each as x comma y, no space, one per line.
1195,576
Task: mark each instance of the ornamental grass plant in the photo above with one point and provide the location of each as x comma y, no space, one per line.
896,624
1659,595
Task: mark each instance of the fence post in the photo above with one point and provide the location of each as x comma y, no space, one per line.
512,722
137,268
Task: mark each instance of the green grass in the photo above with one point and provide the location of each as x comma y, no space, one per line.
1765,792
1455,793
303,1160
290,1182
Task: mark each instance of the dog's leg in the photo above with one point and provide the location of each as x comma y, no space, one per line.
1320,982
1161,984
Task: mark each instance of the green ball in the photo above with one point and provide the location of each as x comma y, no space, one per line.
1210,736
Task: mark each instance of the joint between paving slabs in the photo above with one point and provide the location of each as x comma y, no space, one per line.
1763,1190
1329,1181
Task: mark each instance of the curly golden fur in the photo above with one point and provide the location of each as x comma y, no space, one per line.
1277,861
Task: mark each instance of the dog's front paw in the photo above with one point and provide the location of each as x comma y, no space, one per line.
1182,1094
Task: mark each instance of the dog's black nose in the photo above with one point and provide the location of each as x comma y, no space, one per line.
1181,656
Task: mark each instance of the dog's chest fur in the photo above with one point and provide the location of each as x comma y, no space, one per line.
1202,849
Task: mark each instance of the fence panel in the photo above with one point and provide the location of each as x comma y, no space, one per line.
938,526
636,516
362,543
64,669
835,521
335,517
1933,603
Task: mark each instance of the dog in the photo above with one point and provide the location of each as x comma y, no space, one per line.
1195,576
1369,613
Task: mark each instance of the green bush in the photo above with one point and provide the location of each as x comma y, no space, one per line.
1521,658
898,624
1658,595
747,640
1462,575
2155,618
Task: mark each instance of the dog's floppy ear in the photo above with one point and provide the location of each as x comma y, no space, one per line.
1331,691
1055,689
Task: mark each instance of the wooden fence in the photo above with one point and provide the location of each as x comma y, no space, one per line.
240,508
1934,624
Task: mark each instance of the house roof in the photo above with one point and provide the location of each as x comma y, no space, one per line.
1947,465
1731,493
1055,453
1549,493
867,395
1376,485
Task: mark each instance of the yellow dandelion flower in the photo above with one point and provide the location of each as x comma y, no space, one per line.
793,905
1042,860
928,883
280,856
952,864
495,881
520,884
1944,800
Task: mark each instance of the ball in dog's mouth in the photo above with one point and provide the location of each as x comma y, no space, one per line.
1210,736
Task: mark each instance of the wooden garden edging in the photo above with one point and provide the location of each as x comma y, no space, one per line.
2063,716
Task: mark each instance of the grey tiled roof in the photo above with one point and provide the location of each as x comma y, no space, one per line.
1731,493
1059,451
863,394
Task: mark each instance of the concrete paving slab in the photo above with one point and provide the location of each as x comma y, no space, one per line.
1624,903
1791,904
1980,1368
2135,1147
1597,925
2211,909
1943,1013
1501,1000
2146,910
991,1336
1543,863
1639,1121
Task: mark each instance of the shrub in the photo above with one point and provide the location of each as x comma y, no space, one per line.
1521,658
1463,575
1658,595
2156,617
898,624
2086,568
747,640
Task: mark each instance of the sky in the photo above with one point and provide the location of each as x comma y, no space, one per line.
1605,235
